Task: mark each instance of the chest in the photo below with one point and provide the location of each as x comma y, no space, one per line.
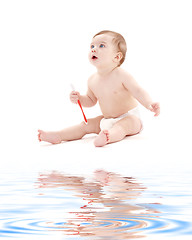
104,88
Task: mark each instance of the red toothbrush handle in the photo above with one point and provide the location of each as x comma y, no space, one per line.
82,111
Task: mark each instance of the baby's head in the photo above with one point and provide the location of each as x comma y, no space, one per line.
118,42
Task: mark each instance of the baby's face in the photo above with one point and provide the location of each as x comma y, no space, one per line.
102,51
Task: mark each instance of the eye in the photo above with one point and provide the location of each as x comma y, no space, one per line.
92,46
102,45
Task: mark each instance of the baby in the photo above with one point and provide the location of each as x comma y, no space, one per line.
116,91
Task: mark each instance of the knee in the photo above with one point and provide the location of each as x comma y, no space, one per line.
136,125
86,127
83,125
92,126
122,130
132,125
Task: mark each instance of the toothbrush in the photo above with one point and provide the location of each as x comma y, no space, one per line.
79,103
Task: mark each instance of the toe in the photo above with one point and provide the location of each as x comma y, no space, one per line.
106,132
39,137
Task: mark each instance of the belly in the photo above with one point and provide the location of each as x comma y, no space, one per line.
113,109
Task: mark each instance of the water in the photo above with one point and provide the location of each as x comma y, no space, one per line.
99,205
137,188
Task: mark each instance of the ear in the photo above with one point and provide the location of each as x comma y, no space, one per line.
118,57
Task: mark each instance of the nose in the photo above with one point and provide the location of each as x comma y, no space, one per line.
93,50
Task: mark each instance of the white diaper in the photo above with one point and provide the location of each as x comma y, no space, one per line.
107,123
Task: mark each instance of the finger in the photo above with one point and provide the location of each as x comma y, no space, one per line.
74,96
157,106
73,93
157,113
150,108
39,137
74,100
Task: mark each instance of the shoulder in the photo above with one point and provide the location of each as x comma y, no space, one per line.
128,80
91,87
124,75
92,79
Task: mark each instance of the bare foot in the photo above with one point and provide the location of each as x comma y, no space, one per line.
102,139
51,137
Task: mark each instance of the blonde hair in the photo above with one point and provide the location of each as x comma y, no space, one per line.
118,41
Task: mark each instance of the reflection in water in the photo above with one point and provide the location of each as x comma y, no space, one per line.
109,209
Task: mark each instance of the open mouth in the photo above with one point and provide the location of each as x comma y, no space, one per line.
94,57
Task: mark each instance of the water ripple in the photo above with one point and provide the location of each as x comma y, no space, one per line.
111,226
108,207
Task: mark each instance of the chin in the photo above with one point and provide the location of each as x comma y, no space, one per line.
95,63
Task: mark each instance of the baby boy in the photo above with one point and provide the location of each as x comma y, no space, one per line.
114,89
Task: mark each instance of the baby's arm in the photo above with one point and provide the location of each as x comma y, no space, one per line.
87,100
141,95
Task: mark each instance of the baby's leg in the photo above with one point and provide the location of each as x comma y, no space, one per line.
71,133
127,126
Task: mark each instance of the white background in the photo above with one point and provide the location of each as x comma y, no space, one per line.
44,47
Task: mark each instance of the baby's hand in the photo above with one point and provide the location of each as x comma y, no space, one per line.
155,107
74,96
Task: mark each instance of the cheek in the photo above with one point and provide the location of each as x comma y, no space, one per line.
89,55
104,55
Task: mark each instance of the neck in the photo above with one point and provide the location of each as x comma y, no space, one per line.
105,71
